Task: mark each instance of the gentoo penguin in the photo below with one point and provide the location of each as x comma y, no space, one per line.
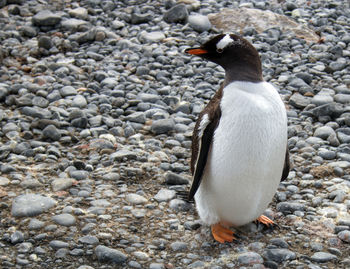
239,143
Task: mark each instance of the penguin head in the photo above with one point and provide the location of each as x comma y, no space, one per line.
227,50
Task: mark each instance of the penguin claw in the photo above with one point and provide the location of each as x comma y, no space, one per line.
222,234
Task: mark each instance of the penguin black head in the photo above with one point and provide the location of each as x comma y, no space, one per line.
234,53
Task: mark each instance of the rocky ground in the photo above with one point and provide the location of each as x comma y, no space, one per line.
98,102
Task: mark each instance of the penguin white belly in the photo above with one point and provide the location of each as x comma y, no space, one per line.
246,158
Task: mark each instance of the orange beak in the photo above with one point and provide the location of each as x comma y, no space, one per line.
196,51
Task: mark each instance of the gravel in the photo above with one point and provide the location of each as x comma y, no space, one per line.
98,105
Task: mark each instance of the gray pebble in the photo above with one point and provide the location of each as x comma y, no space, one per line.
64,219
17,237
46,18
164,195
109,255
162,126
89,239
29,205
199,23
57,244
178,246
51,132
177,13
249,258
135,199
279,255
344,236
323,257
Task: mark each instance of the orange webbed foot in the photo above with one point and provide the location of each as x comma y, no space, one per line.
222,234
266,221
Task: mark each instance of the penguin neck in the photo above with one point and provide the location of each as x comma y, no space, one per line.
248,73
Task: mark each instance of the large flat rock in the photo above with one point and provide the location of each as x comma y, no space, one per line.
239,18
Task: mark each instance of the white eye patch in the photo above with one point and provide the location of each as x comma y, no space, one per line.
224,42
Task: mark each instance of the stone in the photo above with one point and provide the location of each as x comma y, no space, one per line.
67,91
35,224
175,179
51,132
135,199
57,244
321,99
73,24
60,184
17,237
179,205
138,117
342,98
79,101
30,205
45,42
299,101
324,132
79,12
179,246
333,110
199,23
109,255
249,258
162,126
64,219
45,18
89,239
279,255
323,257
137,18
152,37
289,207
164,195
123,154
344,236
177,13
260,20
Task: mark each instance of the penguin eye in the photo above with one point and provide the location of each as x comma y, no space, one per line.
219,50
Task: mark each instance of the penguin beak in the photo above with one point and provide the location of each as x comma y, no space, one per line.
196,51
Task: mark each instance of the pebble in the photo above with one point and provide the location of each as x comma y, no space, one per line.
29,205
109,255
135,199
249,258
279,255
164,195
345,236
162,126
51,132
323,257
175,179
46,18
177,13
199,23
64,219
